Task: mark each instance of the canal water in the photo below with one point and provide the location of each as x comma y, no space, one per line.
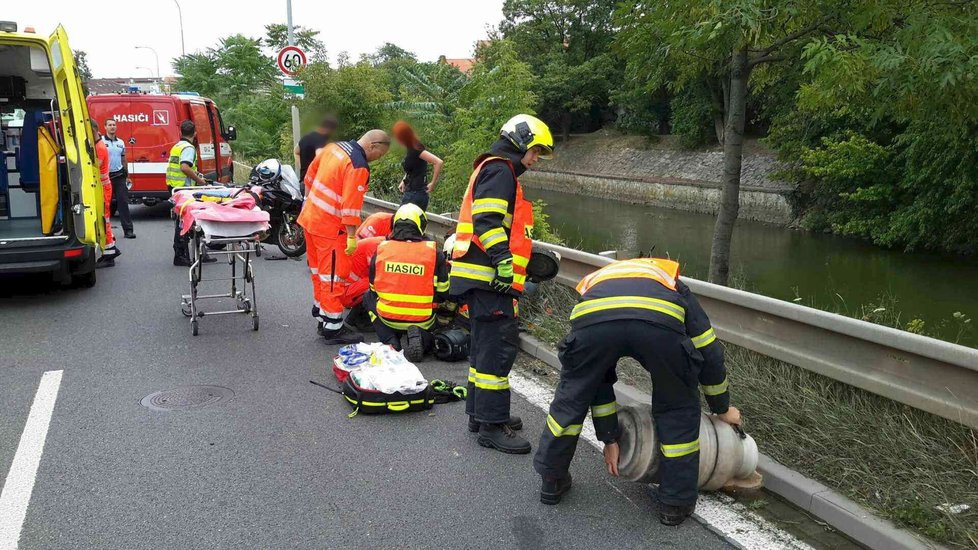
824,271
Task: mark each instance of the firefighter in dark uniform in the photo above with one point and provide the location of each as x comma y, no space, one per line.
636,308
408,278
493,243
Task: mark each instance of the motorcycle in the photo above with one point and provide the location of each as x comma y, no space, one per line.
281,197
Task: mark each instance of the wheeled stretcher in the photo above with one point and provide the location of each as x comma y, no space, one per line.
224,223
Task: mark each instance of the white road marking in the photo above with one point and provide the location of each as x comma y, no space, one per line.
717,511
19,485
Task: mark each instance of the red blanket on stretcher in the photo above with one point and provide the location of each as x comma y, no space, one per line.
214,207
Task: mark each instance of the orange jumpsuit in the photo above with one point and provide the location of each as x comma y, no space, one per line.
360,270
376,225
335,197
102,152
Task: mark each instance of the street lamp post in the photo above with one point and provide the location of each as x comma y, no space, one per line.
155,54
183,48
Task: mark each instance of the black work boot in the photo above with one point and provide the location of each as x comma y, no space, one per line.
130,234
414,351
554,488
674,515
342,337
182,260
514,422
502,438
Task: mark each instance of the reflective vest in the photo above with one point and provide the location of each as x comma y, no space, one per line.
518,227
404,282
642,288
174,175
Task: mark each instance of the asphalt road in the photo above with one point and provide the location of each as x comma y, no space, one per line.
279,465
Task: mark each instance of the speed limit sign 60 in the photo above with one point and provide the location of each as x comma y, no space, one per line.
291,59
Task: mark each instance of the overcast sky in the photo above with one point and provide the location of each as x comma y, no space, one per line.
110,30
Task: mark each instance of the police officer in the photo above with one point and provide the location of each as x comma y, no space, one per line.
182,172
493,242
408,276
636,308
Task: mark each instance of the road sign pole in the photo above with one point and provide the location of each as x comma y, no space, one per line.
295,110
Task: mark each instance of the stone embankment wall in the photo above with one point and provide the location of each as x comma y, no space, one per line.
670,178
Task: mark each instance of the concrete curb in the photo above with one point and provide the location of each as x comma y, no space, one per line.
815,498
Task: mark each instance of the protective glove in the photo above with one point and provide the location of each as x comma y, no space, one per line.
351,245
504,276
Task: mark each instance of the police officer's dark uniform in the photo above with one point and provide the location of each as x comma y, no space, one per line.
640,309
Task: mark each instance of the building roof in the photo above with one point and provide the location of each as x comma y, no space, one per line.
121,84
462,64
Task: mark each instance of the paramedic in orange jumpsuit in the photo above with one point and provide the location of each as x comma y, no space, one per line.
330,216
110,252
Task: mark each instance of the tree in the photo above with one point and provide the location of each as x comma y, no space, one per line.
235,68
725,41
355,94
567,44
277,37
883,132
244,81
81,64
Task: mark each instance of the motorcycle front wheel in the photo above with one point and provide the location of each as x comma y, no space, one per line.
291,239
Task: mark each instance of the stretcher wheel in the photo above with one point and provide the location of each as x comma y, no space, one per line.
185,309
193,327
254,323
245,305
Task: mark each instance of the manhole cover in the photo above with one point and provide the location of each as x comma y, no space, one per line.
187,397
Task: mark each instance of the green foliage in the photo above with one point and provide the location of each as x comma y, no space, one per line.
692,117
242,79
277,37
81,64
356,94
567,44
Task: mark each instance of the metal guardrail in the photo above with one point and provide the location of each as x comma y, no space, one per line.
924,373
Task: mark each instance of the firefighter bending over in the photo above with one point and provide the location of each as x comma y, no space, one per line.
493,242
640,309
408,277
330,216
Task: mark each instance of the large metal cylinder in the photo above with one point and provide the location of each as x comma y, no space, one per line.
724,455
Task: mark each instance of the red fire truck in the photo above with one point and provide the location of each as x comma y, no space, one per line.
150,125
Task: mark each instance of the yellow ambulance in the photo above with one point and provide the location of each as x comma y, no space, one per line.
50,193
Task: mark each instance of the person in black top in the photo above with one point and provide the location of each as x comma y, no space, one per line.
414,185
311,143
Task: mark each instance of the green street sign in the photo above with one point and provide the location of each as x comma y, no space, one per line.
295,88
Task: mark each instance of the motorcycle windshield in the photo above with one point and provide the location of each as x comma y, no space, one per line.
291,183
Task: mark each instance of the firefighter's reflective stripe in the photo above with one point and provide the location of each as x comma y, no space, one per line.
657,269
517,230
680,449
625,302
716,389
393,312
485,206
704,339
392,405
441,286
404,325
559,431
493,237
473,271
488,381
608,409
411,298
174,174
